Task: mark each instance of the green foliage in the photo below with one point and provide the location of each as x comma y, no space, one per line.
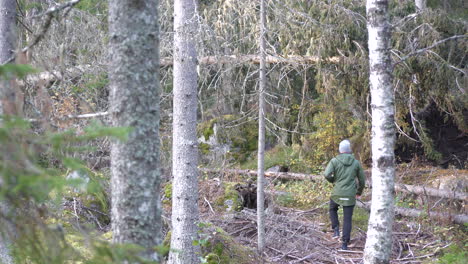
331,127
290,157
42,245
8,71
304,195
204,148
105,252
34,188
93,6
242,138
360,218
455,254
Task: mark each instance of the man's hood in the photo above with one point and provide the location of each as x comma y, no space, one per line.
346,159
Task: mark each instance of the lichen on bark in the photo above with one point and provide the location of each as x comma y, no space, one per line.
134,102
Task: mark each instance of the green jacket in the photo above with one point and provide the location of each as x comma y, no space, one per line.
342,171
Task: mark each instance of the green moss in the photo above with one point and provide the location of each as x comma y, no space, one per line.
168,190
107,236
221,248
206,129
230,193
166,244
242,138
204,148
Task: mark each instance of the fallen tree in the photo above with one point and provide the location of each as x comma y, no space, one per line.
442,193
278,175
48,77
409,212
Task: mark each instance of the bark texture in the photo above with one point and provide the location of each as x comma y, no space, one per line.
261,134
379,235
7,46
134,102
7,29
185,214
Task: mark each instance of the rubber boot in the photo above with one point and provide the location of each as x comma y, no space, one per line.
344,246
336,232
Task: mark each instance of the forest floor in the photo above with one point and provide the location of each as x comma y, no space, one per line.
302,234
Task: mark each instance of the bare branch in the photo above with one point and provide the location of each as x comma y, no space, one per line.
49,14
414,53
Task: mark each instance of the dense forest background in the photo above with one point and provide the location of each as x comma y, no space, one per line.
317,95
317,77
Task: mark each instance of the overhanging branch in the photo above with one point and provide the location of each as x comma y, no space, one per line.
414,53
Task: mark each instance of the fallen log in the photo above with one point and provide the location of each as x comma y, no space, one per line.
48,77
443,193
409,212
278,175
73,72
255,59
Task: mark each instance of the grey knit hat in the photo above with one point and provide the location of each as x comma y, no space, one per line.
345,146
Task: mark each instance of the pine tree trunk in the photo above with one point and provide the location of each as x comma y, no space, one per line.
7,46
261,134
379,235
184,144
134,102
7,29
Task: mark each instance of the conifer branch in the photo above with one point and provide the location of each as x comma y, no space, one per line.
414,53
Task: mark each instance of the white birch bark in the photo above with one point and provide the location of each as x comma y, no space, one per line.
420,4
184,143
7,46
379,235
261,135
134,102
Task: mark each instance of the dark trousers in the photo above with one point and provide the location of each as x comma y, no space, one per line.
347,219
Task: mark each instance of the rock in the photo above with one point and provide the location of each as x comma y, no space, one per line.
228,203
274,169
79,179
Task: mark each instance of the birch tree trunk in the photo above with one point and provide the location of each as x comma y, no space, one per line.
420,4
184,143
379,235
261,134
7,46
134,102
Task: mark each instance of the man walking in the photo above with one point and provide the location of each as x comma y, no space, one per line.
342,171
